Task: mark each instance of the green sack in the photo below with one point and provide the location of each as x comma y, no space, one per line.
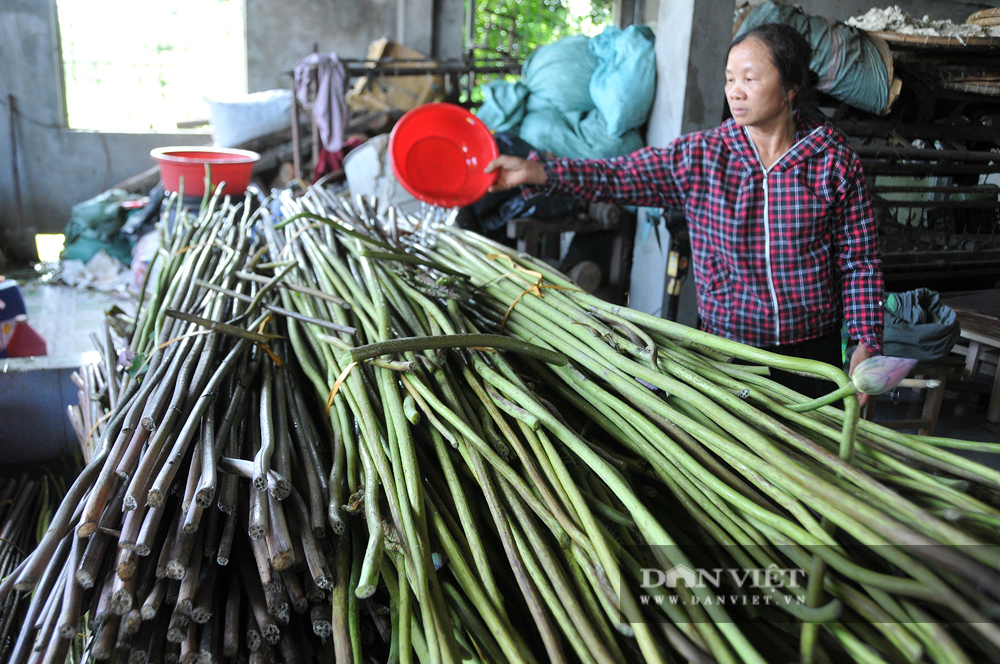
557,75
845,59
624,83
504,105
918,326
576,135
94,225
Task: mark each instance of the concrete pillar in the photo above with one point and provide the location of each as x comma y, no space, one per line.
692,37
450,26
415,24
434,27
691,41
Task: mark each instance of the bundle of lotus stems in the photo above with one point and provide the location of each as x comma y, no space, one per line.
345,436
24,508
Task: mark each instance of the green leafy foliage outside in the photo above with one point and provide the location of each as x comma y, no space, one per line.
512,29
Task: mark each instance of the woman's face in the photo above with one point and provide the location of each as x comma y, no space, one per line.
753,86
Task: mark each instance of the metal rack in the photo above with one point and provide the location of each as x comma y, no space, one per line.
924,160
457,72
938,232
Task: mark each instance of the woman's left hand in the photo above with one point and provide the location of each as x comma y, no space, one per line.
861,353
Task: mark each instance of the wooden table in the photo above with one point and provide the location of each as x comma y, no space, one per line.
979,316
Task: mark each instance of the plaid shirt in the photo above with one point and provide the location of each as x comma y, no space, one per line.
780,257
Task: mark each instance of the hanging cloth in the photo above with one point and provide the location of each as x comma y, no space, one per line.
329,108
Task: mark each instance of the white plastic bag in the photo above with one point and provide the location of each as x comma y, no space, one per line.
237,121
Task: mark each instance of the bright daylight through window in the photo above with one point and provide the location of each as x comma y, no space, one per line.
147,66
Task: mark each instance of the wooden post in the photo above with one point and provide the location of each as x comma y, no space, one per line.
296,152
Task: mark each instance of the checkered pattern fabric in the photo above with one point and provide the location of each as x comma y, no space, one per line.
781,256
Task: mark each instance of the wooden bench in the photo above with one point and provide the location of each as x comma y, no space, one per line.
981,347
929,382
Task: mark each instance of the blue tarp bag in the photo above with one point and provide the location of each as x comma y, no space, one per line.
504,105
624,83
846,60
576,135
558,75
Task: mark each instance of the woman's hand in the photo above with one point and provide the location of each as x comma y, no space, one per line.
861,353
514,172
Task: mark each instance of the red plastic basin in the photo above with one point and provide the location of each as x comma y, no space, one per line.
234,167
438,152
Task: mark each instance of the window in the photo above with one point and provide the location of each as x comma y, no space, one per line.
147,66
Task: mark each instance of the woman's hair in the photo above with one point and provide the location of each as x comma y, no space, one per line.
790,53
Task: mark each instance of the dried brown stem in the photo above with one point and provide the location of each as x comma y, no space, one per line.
157,448
226,540
231,630
159,488
69,617
177,629
201,612
277,537
296,594
154,600
262,458
102,646
322,624
258,605
190,578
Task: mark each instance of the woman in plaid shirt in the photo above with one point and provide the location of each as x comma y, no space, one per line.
782,234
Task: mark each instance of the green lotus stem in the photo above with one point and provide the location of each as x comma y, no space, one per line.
554,585
967,445
832,397
560,504
341,228
429,404
222,328
412,639
529,589
408,258
513,409
871,434
370,565
305,290
407,477
276,309
847,440
258,298
651,529
368,576
408,344
470,621
475,545
940,646
512,647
